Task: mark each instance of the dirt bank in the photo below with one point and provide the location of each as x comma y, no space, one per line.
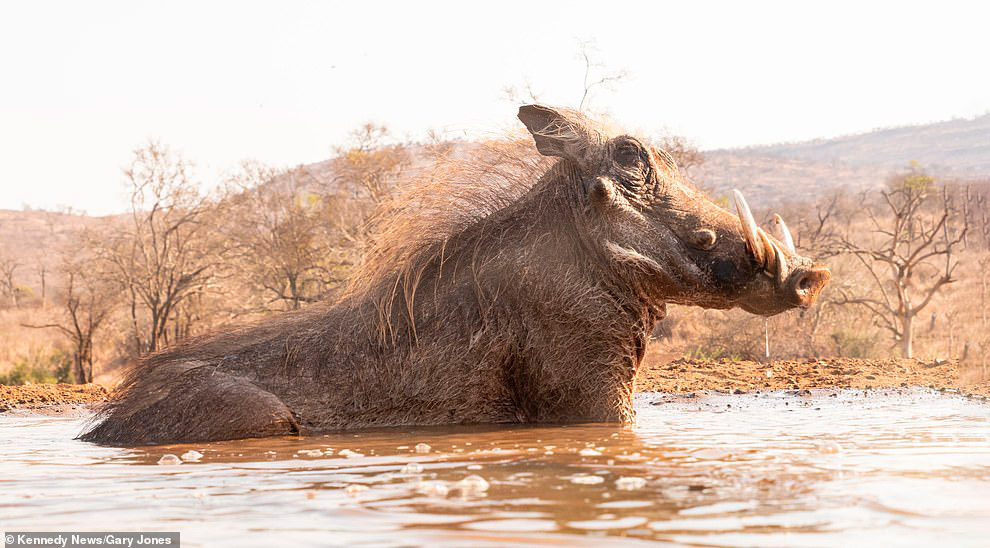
39,396
676,377
683,376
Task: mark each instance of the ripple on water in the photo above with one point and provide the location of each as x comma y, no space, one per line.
605,524
513,525
774,469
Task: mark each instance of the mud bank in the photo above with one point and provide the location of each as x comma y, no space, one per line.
676,377
54,397
685,376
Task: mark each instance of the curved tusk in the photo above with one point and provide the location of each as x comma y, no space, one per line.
784,233
749,227
770,249
781,264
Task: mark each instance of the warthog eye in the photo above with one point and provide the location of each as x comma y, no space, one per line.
628,156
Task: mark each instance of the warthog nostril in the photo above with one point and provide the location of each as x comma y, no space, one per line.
807,284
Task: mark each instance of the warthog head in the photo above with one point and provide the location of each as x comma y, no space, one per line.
679,245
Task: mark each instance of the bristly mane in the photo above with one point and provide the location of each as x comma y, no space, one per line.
419,225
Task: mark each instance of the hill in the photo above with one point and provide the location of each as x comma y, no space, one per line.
958,149
32,239
768,179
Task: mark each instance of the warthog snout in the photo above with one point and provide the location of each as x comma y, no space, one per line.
805,284
796,281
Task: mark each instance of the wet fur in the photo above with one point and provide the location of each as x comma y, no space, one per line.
493,304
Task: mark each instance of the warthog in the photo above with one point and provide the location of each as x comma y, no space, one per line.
536,306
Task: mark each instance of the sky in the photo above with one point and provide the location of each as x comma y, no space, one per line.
82,84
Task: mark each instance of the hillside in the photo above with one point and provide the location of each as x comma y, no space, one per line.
767,179
958,147
782,172
32,239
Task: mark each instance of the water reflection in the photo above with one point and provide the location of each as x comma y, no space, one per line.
786,468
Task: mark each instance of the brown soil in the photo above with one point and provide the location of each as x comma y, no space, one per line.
683,376
38,396
679,376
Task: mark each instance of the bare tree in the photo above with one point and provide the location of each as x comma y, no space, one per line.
524,93
369,166
284,236
979,210
165,253
42,270
8,266
911,257
817,227
686,155
985,221
820,232
594,73
86,304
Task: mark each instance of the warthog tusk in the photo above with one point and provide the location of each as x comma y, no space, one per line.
750,230
770,264
784,233
781,264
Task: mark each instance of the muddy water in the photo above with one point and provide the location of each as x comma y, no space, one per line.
788,469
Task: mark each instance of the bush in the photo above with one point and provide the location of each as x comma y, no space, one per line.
713,353
854,344
52,367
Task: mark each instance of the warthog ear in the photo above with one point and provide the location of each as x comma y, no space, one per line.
558,132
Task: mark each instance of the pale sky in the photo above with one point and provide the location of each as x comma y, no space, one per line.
84,83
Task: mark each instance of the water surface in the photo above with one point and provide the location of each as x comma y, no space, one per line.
774,469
